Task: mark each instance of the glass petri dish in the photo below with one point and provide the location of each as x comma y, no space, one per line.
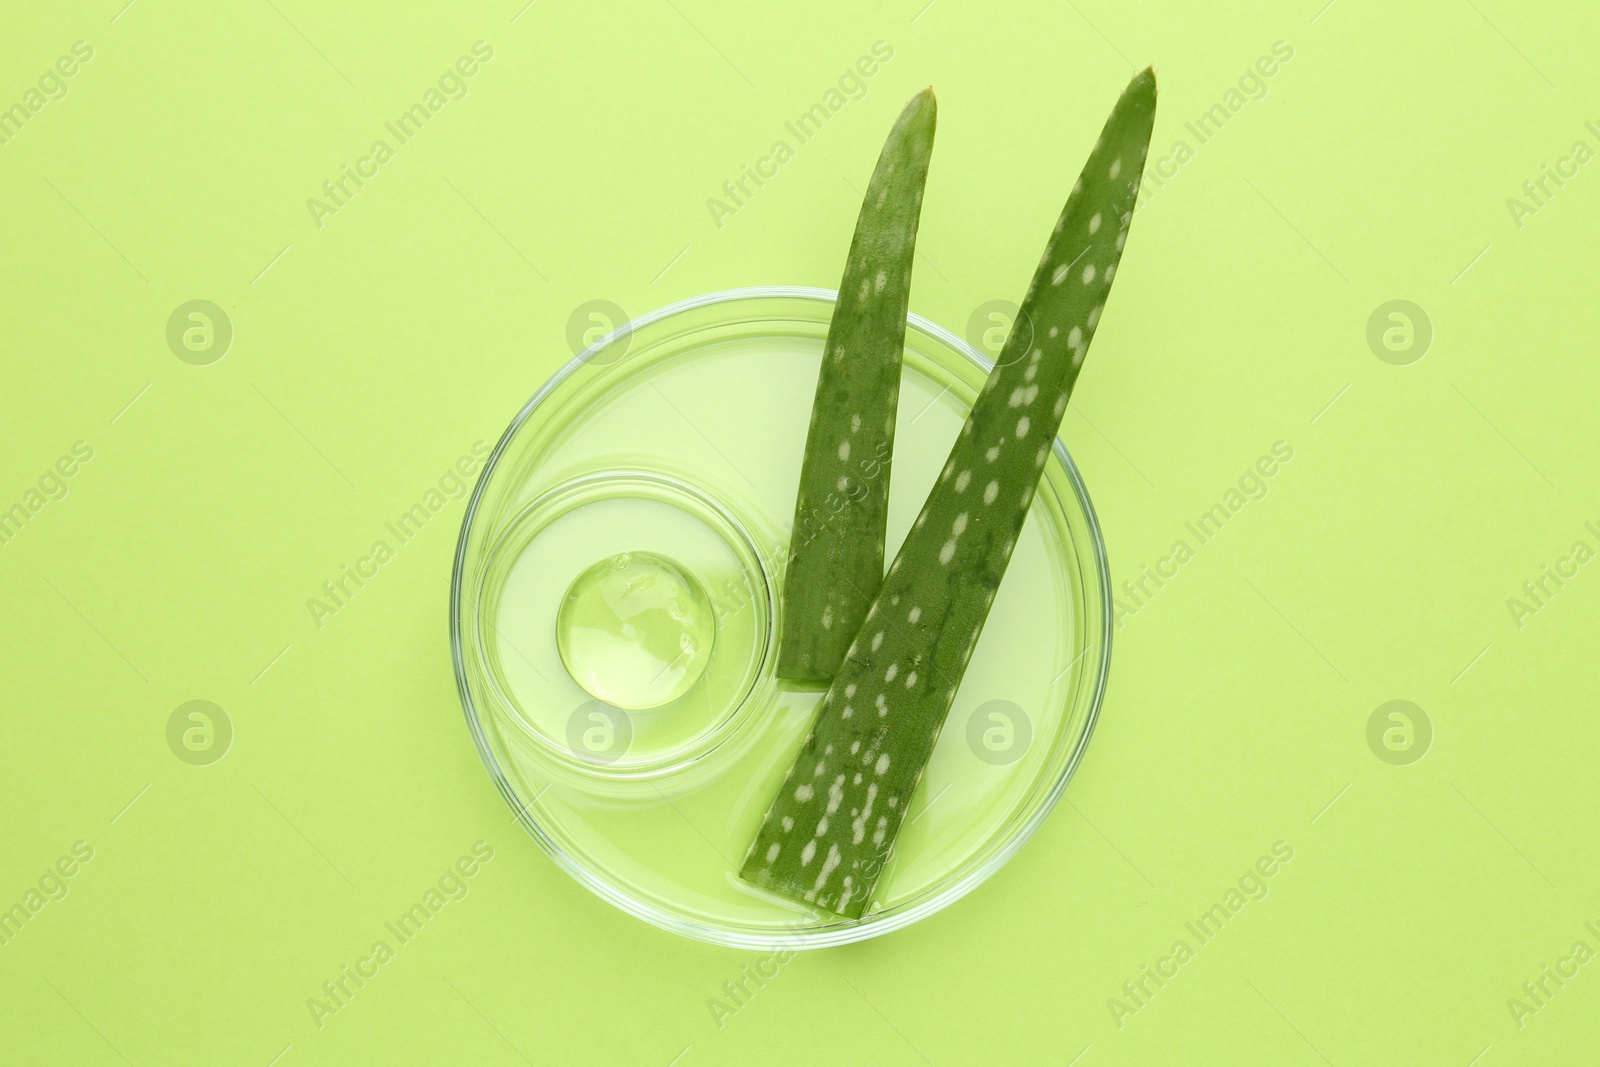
678,437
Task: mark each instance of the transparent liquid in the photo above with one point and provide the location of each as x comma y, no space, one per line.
636,630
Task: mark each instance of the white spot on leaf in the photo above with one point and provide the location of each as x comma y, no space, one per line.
835,794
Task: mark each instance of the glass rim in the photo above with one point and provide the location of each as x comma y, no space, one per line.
836,934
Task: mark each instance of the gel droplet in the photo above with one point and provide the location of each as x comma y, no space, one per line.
636,630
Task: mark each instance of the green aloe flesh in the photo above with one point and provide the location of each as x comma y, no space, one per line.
830,830
835,559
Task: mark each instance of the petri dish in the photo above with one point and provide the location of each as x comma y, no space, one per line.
653,477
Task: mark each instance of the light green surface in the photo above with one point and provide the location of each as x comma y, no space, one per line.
370,354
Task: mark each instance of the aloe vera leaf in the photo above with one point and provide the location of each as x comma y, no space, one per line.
836,549
830,829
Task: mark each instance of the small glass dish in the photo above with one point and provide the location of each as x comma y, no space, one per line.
679,436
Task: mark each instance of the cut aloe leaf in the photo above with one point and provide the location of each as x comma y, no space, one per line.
836,549
828,833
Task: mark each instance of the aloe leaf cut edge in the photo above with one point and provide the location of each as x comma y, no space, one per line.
836,549
828,833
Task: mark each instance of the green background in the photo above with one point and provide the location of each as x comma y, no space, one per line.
372,352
